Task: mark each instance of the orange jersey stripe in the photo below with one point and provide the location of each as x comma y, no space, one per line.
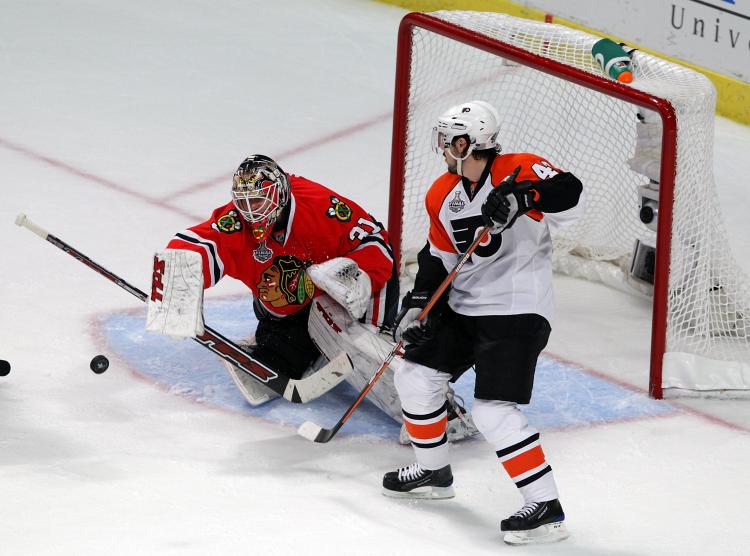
434,199
425,432
535,215
506,163
525,461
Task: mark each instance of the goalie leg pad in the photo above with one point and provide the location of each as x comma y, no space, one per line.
175,307
334,331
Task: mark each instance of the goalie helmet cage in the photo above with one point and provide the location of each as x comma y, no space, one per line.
554,100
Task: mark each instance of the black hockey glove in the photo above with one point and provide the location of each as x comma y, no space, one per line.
509,200
406,326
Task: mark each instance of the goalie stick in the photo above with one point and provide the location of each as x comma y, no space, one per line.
296,391
316,433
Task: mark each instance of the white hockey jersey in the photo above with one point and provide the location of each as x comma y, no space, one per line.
511,272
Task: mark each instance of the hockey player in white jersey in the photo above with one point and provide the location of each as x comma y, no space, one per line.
496,316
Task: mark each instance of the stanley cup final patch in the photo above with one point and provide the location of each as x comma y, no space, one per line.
456,204
262,253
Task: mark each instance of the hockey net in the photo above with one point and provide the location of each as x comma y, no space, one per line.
555,101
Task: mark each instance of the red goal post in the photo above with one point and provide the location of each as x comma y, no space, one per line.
555,101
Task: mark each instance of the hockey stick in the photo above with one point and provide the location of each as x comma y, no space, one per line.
316,433
297,391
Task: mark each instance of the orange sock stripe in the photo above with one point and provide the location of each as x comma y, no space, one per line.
524,462
425,432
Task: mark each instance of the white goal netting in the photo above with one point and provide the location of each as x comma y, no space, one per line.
598,138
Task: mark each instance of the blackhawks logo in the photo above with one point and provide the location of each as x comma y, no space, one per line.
227,223
285,282
339,210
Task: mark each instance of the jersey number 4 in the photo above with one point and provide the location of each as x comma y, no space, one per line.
465,231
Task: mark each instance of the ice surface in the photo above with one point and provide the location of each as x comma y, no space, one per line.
121,124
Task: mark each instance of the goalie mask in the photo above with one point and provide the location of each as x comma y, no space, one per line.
260,191
477,119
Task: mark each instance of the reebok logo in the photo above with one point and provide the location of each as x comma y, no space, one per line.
328,318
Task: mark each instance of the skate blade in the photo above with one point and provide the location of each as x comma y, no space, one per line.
422,493
552,532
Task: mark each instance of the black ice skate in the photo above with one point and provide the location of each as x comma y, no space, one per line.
536,522
416,482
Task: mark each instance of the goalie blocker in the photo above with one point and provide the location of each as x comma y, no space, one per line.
175,307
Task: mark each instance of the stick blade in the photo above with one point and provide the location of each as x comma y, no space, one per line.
313,432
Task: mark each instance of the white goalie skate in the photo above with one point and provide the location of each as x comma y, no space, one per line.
254,392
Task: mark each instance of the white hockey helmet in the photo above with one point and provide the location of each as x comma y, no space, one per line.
477,119
260,191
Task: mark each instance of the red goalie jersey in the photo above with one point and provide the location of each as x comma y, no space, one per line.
320,225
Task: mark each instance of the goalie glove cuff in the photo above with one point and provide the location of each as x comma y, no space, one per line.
345,282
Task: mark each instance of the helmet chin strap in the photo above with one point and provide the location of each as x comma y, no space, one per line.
460,160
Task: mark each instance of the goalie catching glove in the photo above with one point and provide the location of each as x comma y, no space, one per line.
175,307
508,201
345,282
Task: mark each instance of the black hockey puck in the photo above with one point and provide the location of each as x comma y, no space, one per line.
99,364
4,367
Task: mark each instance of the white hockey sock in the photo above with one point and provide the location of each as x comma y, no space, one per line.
517,446
425,409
